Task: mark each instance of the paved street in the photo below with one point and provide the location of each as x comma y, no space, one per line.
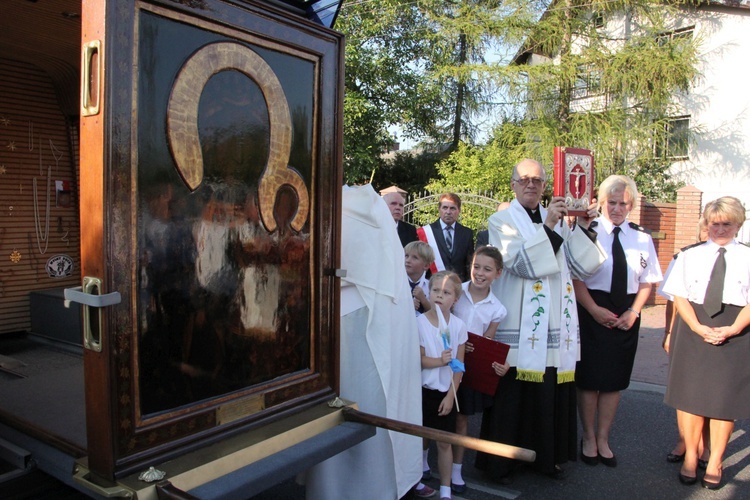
644,432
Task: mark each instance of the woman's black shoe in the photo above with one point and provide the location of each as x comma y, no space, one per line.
587,459
609,462
673,458
710,486
687,480
702,464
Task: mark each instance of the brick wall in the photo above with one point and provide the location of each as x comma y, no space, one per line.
672,226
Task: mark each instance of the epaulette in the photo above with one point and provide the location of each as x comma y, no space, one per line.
688,248
593,224
691,246
642,229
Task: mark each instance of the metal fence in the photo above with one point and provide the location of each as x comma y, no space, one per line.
476,207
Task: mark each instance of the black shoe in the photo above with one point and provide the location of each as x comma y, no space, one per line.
702,464
505,480
609,462
458,488
673,458
558,474
587,459
710,486
687,480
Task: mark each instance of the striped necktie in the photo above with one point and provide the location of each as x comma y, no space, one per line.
449,237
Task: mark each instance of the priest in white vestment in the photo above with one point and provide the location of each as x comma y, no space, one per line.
380,357
535,403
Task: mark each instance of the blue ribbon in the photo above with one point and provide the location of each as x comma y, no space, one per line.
455,364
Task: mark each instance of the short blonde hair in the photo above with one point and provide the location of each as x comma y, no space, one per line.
451,277
615,184
726,207
422,249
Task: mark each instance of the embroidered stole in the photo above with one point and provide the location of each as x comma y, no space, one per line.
535,311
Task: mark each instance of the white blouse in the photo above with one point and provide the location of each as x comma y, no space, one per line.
439,378
478,316
643,262
691,273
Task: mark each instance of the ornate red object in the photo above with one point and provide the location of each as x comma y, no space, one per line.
574,178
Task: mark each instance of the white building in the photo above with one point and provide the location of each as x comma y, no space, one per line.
717,107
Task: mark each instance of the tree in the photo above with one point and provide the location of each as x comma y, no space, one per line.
610,71
384,86
419,65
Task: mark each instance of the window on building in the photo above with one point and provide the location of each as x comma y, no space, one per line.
673,141
598,19
676,35
588,82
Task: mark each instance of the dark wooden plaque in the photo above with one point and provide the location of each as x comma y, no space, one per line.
574,178
215,164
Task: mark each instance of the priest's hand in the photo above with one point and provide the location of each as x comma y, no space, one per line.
585,220
556,210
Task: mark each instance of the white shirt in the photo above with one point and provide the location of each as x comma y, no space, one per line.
439,379
692,271
660,290
478,316
642,260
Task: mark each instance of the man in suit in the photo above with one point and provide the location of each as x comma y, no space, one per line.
406,232
452,242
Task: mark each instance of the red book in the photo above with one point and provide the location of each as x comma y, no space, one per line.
574,178
480,375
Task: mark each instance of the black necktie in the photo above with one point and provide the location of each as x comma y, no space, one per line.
715,289
449,238
618,290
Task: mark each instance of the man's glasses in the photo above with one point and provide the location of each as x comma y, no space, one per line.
524,181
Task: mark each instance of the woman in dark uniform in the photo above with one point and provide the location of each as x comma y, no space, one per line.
609,307
709,374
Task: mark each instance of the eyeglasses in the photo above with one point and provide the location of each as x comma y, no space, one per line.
524,181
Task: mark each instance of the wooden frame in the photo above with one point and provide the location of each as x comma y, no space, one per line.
139,159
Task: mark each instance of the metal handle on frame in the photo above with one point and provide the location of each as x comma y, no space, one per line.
89,295
91,65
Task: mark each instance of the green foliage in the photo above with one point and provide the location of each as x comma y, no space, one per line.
407,170
432,67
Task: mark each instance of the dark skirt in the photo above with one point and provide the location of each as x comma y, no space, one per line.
537,416
710,380
430,402
471,401
607,355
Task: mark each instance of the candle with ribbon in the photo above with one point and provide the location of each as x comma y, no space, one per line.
456,364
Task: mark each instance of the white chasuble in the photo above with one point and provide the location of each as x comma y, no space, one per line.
536,287
380,357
